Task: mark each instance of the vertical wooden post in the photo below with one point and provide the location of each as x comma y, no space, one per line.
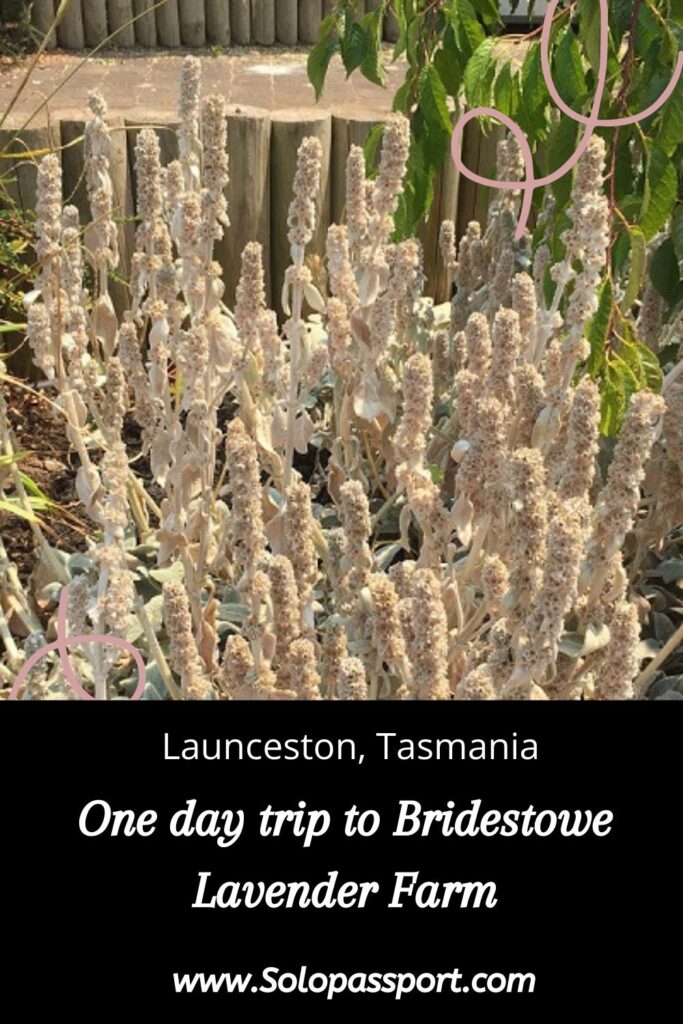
22,173
192,22
10,181
122,200
95,22
263,22
218,22
448,210
391,29
444,207
19,179
479,154
70,34
488,153
168,24
70,130
166,126
42,16
145,26
290,128
240,22
287,22
470,155
248,194
347,131
120,21
310,16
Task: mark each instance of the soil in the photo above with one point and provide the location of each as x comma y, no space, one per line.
39,435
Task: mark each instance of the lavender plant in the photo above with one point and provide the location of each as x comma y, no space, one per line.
407,502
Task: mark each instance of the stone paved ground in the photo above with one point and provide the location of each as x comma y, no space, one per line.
272,79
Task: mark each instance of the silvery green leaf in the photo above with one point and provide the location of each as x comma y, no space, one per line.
648,649
156,680
135,631
385,555
670,571
169,572
52,591
232,612
579,645
79,561
154,610
314,298
442,314
663,626
145,550
664,685
571,644
150,692
595,639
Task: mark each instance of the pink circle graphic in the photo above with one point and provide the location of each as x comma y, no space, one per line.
530,183
62,645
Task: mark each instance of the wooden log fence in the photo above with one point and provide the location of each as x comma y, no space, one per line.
190,23
262,147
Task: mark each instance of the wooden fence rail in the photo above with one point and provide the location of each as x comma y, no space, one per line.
192,23
262,146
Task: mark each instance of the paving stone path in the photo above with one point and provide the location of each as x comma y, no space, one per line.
270,79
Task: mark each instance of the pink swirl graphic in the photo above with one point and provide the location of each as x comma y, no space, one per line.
62,645
529,184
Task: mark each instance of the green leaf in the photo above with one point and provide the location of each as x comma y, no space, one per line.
505,95
613,402
449,63
621,12
665,273
479,75
371,147
648,31
623,170
598,329
588,21
671,121
677,232
489,11
413,48
570,77
372,64
469,33
559,147
660,193
433,99
535,95
354,46
641,361
402,98
638,268
321,54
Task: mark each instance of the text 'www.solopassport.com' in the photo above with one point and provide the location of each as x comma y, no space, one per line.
274,981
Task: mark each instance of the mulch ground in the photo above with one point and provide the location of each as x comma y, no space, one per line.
39,435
